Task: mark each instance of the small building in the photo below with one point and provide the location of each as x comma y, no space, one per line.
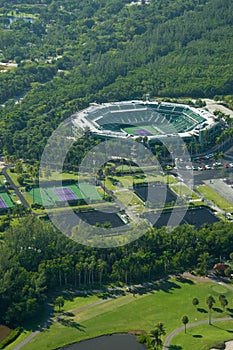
219,269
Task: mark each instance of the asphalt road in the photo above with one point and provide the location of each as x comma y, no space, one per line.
15,188
200,176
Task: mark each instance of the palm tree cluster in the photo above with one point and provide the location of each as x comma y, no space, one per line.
153,339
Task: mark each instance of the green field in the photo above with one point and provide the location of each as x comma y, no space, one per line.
203,337
129,198
218,200
167,302
183,190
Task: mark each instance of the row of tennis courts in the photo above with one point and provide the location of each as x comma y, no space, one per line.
49,196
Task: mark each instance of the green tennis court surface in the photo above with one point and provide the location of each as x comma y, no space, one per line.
6,201
48,196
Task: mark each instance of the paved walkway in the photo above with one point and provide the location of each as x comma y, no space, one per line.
177,330
50,321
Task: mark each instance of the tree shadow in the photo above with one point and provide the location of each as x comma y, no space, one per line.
71,323
230,330
111,294
175,347
197,336
168,286
67,313
184,280
202,310
215,326
230,310
217,309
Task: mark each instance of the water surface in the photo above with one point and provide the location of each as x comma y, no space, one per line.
108,342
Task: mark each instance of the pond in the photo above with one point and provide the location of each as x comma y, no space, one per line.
113,342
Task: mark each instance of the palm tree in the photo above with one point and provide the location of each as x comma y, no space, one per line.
185,320
156,341
165,258
203,262
160,327
195,301
156,334
210,302
59,301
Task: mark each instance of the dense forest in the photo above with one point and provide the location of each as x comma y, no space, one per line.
71,53
36,260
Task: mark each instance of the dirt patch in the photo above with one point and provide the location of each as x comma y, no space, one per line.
4,332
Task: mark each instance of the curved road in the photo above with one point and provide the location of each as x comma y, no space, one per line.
177,330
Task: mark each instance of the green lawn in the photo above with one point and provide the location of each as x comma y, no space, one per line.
183,190
13,177
78,302
168,303
203,337
128,180
218,200
129,198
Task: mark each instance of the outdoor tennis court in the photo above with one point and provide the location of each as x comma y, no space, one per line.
196,217
94,217
158,193
5,201
49,196
142,130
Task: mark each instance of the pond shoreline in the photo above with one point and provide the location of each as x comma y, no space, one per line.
133,334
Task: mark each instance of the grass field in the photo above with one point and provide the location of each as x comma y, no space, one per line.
218,200
203,337
167,302
13,177
129,198
183,190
